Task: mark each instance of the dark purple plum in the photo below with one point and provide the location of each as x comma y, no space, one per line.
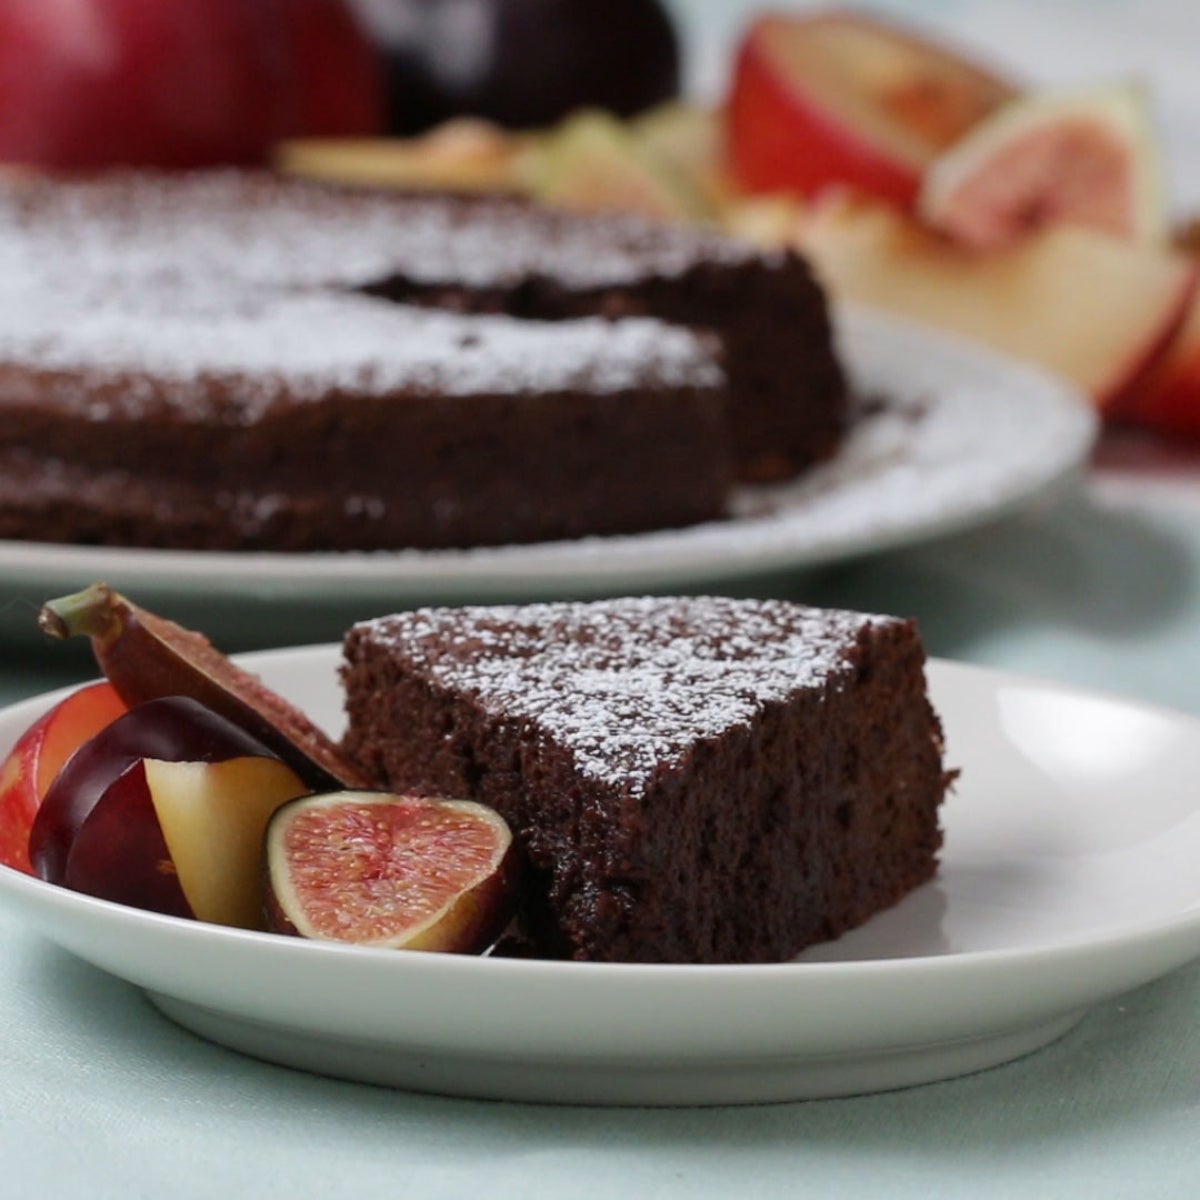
173,728
119,852
521,63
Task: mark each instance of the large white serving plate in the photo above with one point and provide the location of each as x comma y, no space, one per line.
965,436
1068,877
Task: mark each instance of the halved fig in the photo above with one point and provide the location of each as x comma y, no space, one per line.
1084,156
387,870
145,657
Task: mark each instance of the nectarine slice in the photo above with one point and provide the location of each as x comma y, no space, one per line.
1093,308
836,97
37,758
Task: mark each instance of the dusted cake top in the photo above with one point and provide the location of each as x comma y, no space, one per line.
178,353
243,228
150,292
628,684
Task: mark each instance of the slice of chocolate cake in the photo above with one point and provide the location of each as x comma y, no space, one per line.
692,780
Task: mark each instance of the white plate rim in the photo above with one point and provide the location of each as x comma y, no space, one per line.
1067,425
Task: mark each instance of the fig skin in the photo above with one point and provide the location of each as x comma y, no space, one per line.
473,911
521,63
174,728
146,657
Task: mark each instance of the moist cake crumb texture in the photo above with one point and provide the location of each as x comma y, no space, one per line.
691,779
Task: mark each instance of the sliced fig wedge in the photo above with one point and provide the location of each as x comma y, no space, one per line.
146,657
379,869
1072,156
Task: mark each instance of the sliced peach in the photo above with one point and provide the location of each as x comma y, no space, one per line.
1091,307
463,155
213,817
836,97
593,163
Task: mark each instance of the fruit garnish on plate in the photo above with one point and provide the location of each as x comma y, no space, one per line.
463,154
1096,309
399,872
145,657
836,95
39,755
91,83
156,789
1082,156
164,809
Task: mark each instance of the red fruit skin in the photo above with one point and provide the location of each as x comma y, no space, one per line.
1167,399
773,147
119,852
86,84
783,135
174,728
337,86
37,758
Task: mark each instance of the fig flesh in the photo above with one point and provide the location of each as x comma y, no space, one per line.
385,870
1077,156
146,657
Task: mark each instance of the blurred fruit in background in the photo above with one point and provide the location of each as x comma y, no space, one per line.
520,63
845,96
179,83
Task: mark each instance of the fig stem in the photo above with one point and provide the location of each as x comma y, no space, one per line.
90,612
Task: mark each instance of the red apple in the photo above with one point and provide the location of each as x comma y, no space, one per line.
1094,308
836,97
91,83
38,757
337,75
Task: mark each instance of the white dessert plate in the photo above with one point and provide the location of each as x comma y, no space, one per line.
1068,877
964,436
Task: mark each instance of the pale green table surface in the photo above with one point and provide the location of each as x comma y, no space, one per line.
101,1097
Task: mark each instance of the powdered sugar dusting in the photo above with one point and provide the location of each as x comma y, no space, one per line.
242,228
627,685
307,346
197,278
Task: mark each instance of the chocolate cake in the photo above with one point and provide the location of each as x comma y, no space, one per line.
232,360
691,780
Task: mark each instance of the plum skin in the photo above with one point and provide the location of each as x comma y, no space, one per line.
521,63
